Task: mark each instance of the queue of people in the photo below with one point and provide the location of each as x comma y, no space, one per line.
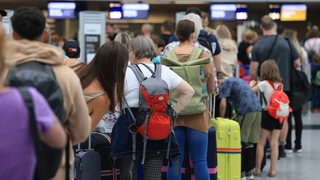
104,96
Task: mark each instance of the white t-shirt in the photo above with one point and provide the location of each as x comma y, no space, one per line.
267,90
132,84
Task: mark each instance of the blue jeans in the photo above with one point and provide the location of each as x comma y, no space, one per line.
197,142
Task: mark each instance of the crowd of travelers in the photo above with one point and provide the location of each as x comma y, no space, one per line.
107,96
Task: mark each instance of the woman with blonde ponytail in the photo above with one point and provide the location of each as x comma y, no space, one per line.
297,114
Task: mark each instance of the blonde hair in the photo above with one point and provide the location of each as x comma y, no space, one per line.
2,50
223,32
123,38
290,34
249,35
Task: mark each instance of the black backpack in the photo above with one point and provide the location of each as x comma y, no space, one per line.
204,40
42,77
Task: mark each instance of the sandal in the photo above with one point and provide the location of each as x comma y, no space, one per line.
257,172
272,173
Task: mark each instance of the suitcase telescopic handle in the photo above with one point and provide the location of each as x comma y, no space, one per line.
212,104
89,143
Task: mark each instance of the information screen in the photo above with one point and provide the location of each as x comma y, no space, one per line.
293,12
115,11
274,11
242,12
61,10
135,11
223,12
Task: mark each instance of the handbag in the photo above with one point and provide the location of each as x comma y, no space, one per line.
300,87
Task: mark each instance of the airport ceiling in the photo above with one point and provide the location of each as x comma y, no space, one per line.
12,4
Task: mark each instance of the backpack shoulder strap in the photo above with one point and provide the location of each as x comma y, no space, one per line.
196,52
137,72
157,72
272,85
280,87
171,55
39,172
152,72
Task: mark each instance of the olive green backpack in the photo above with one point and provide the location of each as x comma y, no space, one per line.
192,72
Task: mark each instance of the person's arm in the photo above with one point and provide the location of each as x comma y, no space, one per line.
186,93
50,129
254,86
56,136
217,64
254,70
223,107
297,63
248,50
208,70
98,107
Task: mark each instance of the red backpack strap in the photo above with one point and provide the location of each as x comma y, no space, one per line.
280,87
272,85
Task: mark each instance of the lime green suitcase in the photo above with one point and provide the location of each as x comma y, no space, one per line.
228,148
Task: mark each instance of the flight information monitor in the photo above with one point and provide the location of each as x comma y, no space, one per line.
135,11
293,12
242,12
274,11
61,10
225,12
115,11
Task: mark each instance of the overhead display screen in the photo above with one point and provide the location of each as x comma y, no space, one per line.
135,11
115,11
61,10
223,12
293,12
242,12
274,11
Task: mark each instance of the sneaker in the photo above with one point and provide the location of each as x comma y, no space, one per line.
249,175
282,153
288,151
298,149
243,176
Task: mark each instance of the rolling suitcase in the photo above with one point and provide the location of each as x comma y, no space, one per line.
87,163
229,148
108,172
101,143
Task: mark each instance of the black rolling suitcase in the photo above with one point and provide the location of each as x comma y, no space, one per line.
87,163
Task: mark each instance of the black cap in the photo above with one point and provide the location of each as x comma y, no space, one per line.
71,48
3,12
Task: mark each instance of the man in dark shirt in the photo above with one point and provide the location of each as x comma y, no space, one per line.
273,46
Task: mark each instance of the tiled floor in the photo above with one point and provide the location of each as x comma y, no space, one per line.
305,165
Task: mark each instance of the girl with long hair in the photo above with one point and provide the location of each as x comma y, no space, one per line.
270,127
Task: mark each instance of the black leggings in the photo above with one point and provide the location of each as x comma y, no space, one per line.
297,114
151,168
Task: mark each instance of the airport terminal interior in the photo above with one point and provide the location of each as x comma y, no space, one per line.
70,19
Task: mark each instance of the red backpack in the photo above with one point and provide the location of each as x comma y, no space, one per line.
279,103
154,118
